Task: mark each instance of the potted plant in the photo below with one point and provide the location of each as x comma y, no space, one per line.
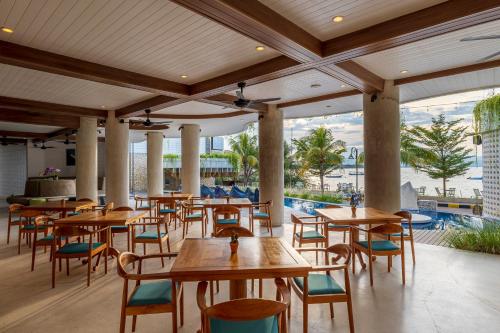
234,243
354,202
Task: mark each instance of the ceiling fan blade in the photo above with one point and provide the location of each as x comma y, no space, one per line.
468,39
496,54
264,100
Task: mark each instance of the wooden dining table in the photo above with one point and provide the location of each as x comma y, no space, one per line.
365,215
177,196
257,258
61,206
96,218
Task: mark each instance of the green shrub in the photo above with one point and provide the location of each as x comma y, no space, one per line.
304,196
486,239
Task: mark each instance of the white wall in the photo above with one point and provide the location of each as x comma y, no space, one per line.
12,171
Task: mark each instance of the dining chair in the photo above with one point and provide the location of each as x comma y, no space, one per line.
45,224
337,227
167,207
228,232
155,236
263,214
381,247
226,216
160,295
13,218
245,315
316,236
78,250
407,236
82,200
121,229
191,212
143,203
323,288
27,228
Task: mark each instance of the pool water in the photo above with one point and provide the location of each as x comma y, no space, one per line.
440,220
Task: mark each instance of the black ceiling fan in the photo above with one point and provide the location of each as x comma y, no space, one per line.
4,141
67,141
43,146
488,37
147,123
245,103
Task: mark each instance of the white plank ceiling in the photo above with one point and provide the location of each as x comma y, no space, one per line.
193,107
315,16
16,127
434,54
153,37
25,83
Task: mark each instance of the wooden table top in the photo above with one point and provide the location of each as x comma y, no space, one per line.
257,257
179,196
364,215
96,218
238,202
58,206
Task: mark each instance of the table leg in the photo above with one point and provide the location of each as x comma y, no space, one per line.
237,289
355,238
250,219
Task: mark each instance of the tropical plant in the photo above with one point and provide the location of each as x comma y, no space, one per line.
441,154
319,153
485,239
411,154
334,198
246,148
293,172
486,114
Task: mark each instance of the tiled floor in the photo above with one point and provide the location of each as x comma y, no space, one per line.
447,291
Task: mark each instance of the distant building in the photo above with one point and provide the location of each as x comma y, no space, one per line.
207,145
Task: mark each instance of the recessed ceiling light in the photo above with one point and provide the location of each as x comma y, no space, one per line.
260,48
184,76
342,86
103,106
404,71
7,30
338,19
328,106
315,85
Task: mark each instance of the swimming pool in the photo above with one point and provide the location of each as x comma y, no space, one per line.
439,220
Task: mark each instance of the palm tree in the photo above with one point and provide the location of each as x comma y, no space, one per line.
319,153
245,146
411,153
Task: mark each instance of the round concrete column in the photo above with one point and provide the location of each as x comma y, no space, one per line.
190,159
155,163
382,152
117,163
86,159
271,162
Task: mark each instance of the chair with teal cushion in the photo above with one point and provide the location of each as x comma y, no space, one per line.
226,216
191,213
27,227
143,203
87,250
337,227
240,315
121,229
41,224
151,234
378,247
263,215
306,234
167,206
321,287
407,236
157,295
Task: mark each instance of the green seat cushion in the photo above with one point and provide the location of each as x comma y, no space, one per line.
152,293
74,248
266,325
331,225
144,207
73,213
310,234
119,228
167,210
405,234
320,284
193,216
227,221
37,201
32,227
261,215
380,245
150,235
47,238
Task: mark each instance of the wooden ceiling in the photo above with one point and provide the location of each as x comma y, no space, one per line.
86,56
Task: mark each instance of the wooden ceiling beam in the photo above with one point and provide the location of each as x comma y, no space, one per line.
61,133
429,22
319,98
448,72
15,134
154,104
17,116
355,76
23,56
49,108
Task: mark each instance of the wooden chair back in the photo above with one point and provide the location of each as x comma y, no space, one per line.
85,200
341,251
226,210
124,260
405,215
386,229
296,220
123,209
70,231
109,206
229,231
14,208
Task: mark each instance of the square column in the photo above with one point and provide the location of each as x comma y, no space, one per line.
86,159
271,162
117,161
381,132
190,159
